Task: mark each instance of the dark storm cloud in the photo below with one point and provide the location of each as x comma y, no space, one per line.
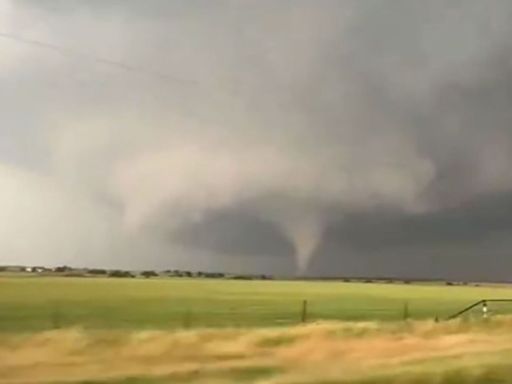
374,135
237,234
470,222
470,241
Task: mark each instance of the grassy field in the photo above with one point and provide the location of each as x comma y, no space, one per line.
322,353
131,331
35,304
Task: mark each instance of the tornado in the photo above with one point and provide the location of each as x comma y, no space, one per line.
305,236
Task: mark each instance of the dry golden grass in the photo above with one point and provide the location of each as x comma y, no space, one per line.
314,353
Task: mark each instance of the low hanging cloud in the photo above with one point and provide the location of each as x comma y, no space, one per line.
162,125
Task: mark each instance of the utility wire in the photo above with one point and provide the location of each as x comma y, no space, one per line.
68,52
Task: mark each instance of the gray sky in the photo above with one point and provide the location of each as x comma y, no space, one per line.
350,137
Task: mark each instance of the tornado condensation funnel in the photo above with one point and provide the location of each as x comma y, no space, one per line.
305,234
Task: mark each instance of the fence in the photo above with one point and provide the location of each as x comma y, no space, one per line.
485,308
168,314
165,314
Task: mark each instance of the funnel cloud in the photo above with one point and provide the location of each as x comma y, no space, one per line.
287,137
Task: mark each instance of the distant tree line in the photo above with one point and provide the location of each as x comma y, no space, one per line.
149,274
68,271
64,270
118,273
97,271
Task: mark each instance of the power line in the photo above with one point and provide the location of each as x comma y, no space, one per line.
68,52
219,89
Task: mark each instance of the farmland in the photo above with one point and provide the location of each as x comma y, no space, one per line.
34,304
196,331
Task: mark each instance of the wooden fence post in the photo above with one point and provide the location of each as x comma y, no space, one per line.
406,311
304,314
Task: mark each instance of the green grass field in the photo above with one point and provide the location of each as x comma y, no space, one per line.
130,331
33,303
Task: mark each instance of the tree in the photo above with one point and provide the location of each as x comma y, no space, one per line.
242,277
120,274
97,271
149,274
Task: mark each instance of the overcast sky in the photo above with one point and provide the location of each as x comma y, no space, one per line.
350,137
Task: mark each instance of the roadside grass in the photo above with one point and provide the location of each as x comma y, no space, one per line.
455,352
58,330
